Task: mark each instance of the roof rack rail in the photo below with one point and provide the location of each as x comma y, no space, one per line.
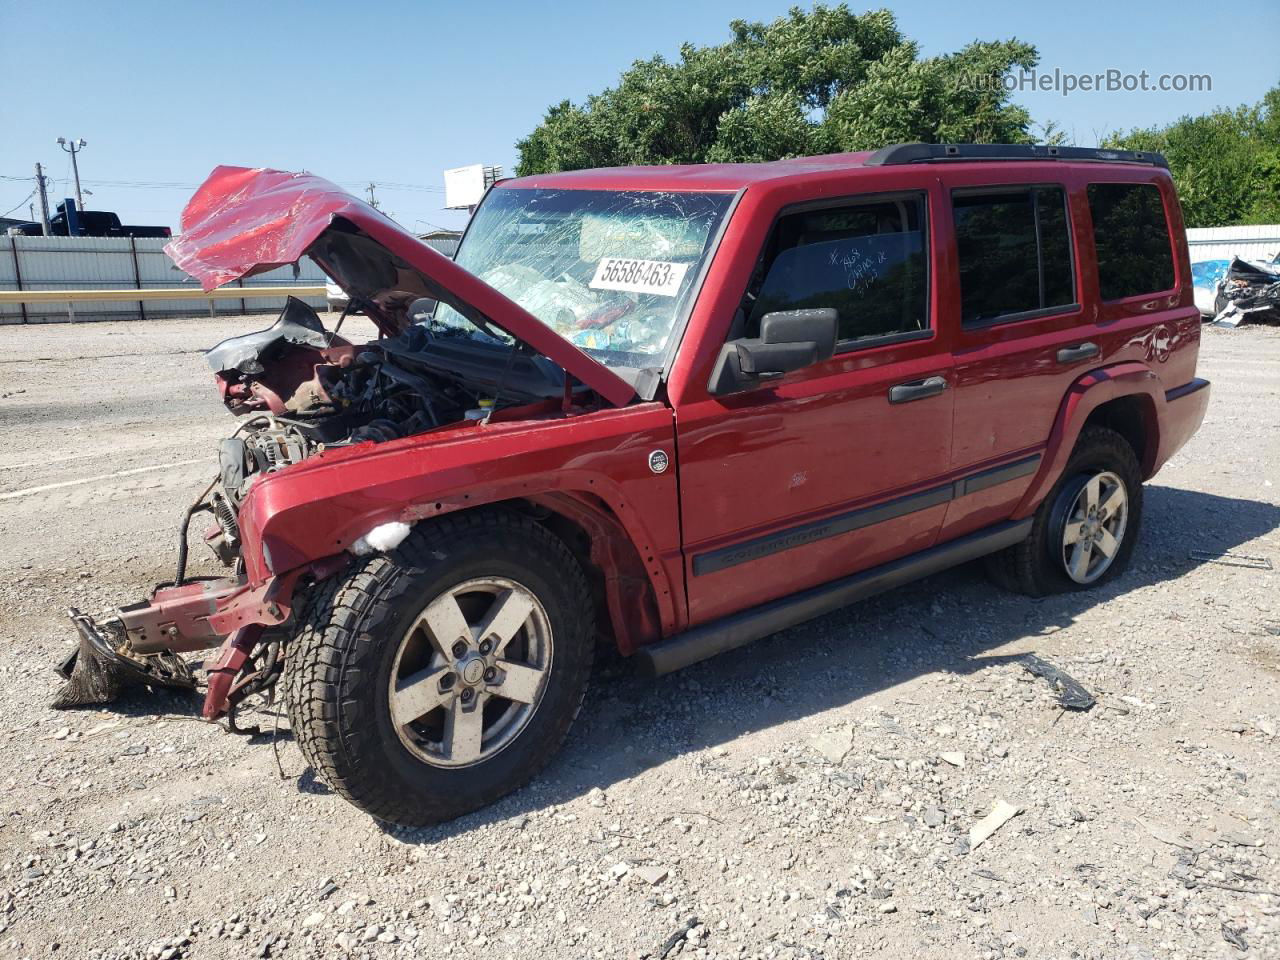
903,153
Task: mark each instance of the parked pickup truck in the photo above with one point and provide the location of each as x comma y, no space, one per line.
673,409
88,223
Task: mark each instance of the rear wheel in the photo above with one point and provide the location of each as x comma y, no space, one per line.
1084,532
431,681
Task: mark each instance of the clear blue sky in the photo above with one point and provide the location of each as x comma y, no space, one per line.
395,92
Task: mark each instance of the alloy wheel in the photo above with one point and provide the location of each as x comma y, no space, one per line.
1093,527
470,672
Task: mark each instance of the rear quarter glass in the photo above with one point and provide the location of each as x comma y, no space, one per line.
1132,239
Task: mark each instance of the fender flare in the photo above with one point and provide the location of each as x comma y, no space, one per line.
633,609
1083,397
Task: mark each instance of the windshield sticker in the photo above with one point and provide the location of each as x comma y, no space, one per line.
658,277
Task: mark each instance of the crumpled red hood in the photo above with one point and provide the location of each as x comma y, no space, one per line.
244,221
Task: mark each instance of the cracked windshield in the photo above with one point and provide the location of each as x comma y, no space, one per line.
609,271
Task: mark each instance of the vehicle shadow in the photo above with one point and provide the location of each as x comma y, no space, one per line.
140,701
945,623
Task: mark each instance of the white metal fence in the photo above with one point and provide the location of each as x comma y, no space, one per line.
105,263
1223,243
101,263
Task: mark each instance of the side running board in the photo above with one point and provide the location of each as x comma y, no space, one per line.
739,629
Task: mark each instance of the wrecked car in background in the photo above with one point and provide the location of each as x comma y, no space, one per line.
1248,292
676,407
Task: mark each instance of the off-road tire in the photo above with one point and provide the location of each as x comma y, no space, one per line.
339,662
1033,567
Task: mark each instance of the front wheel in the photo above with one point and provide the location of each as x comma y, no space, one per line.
1084,532
429,682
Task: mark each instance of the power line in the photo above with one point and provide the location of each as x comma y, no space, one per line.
20,202
157,184
389,185
410,186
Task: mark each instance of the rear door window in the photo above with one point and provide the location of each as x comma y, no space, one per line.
1131,234
1014,248
866,259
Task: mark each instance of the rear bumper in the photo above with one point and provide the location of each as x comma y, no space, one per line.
1184,410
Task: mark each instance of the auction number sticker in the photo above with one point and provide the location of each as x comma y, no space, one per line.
639,276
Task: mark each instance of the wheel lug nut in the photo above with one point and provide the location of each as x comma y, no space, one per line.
485,646
467,694
459,649
447,681
490,674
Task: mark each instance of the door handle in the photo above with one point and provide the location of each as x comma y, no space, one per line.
917,389
1078,352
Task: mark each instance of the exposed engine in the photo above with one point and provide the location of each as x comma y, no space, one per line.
303,390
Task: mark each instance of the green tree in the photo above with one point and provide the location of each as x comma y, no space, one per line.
813,81
1226,163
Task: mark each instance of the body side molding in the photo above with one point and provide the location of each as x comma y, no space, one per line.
841,523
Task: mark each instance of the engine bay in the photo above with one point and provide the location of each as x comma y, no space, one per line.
302,389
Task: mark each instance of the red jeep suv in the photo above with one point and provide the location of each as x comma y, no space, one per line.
677,407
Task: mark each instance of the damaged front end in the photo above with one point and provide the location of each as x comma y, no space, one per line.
143,644
302,390
1248,293
299,391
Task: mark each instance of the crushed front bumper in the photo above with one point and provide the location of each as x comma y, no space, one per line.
143,643
101,666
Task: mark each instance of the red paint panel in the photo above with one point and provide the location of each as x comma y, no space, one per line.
1088,393
323,505
814,444
1009,382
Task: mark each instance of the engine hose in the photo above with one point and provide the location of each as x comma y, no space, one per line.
271,419
180,576
199,505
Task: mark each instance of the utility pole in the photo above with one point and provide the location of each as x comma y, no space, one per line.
373,201
73,147
44,202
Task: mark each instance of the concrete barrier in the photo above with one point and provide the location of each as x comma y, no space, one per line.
72,297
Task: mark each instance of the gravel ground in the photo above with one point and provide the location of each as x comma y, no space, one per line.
813,796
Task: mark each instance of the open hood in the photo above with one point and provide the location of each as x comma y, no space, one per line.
244,221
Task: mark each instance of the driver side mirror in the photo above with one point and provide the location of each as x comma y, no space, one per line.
789,340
